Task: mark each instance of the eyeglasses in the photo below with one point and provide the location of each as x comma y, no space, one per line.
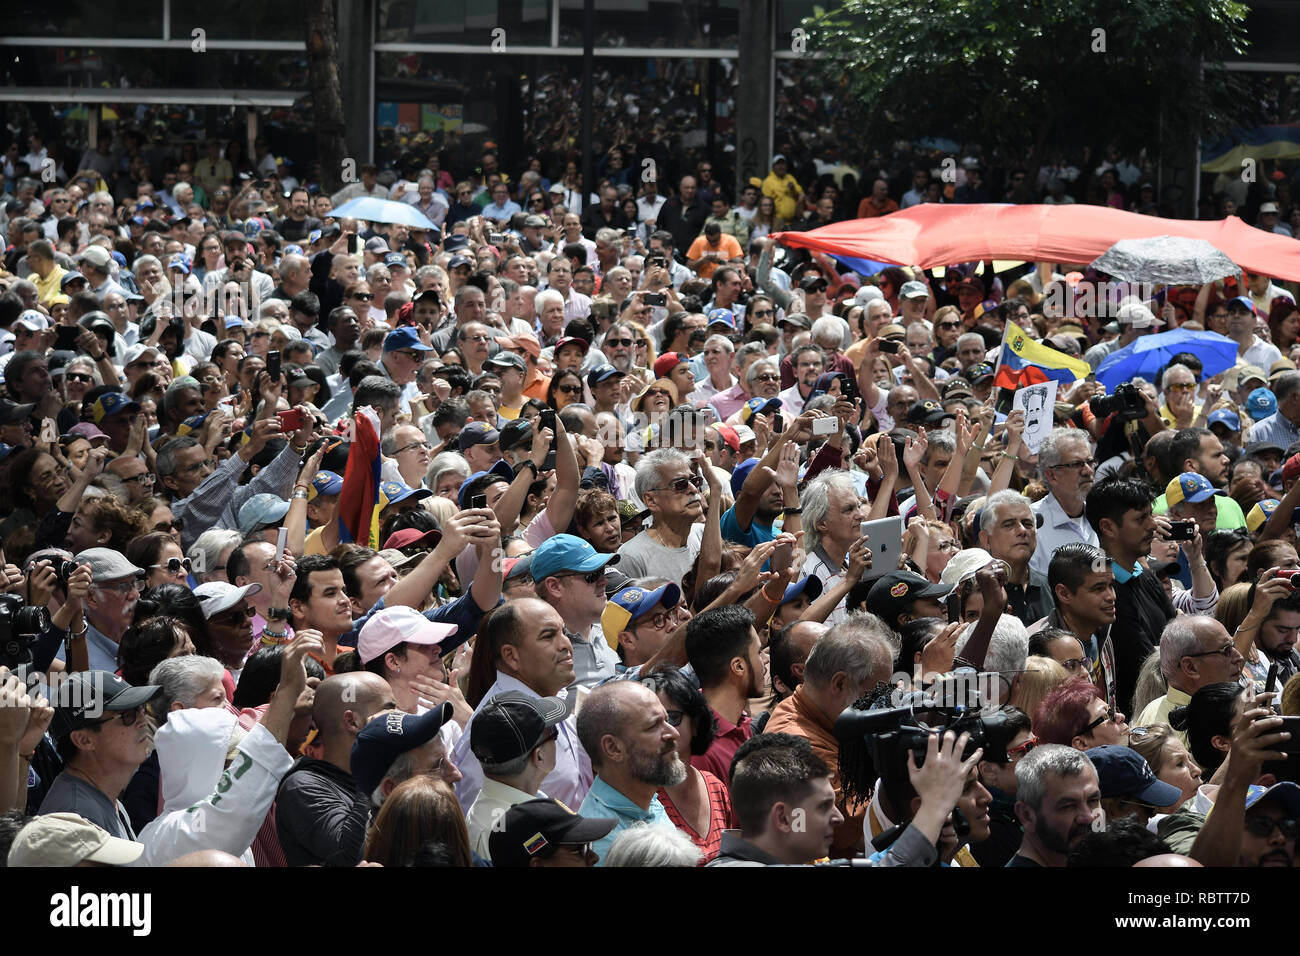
1086,462
1076,663
1015,753
173,566
683,484
174,525
198,466
626,343
121,587
1108,716
1180,387
591,577
129,717
415,444
1225,651
767,378
476,338
1263,827
762,313
675,717
235,617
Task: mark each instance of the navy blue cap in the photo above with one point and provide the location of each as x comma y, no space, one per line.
500,468
1123,772
477,433
740,473
389,736
810,586
602,373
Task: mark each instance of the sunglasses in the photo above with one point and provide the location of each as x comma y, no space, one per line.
950,325
1015,753
361,296
79,377
1108,716
173,565
129,717
570,389
235,617
626,343
591,577
174,525
1263,827
682,485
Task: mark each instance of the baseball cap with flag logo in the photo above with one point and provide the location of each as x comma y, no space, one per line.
1261,403
1190,487
394,492
630,603
1258,516
325,483
110,404
758,406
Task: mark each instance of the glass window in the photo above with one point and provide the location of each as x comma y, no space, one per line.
236,20
689,24
84,18
527,23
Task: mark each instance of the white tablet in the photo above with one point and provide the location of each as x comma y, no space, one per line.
885,539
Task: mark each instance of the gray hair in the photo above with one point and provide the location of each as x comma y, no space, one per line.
999,499
1008,647
181,680
1164,378
650,846
1033,768
545,298
166,463
606,234
443,463
944,441
145,261
722,342
210,544
1179,638
855,647
816,502
748,349
830,327
751,373
1049,453
399,771
921,326
971,337
650,469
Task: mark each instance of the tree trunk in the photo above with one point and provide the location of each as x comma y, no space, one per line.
326,92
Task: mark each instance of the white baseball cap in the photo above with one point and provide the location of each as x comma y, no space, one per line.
963,565
218,596
391,626
65,839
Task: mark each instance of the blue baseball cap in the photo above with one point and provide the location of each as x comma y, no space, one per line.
602,373
477,433
629,603
180,261
1123,772
386,738
758,406
118,258
979,372
71,277
722,317
1226,417
500,468
455,243
325,483
405,337
144,203
1243,301
233,321
1190,487
1286,793
293,249
1261,403
394,492
111,403
810,586
1258,516
191,425
139,221
395,259
566,552
263,509
313,237
740,473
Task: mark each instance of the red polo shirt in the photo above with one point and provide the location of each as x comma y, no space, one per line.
717,759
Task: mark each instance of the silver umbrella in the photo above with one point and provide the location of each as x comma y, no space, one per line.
1165,260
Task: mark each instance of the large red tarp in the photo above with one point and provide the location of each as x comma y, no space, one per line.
937,234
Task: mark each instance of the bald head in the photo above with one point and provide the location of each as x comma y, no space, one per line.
1167,859
345,703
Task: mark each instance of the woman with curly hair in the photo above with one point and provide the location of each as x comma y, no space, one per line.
146,645
102,522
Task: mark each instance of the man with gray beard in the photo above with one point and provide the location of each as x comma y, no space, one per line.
625,730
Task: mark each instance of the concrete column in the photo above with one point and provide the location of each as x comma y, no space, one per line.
355,33
754,91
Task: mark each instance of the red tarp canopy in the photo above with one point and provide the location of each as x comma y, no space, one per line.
936,234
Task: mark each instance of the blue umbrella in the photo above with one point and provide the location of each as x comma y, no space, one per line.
1150,354
383,210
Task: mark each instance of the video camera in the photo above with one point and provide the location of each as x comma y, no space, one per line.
20,626
1127,400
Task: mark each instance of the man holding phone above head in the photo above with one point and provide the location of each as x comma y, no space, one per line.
1274,620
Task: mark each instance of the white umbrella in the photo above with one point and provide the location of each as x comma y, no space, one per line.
1165,260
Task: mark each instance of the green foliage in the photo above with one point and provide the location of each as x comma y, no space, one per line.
1018,74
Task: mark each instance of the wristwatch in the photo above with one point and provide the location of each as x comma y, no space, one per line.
529,463
791,511
277,613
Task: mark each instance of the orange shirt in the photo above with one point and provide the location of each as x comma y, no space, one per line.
869,210
727,245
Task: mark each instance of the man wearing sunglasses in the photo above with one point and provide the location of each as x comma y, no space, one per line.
999,779
103,736
667,483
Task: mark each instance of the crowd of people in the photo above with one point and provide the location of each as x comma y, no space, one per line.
601,529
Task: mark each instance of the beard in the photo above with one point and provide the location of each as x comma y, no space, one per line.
662,769
1056,841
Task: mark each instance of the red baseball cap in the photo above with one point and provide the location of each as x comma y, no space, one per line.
728,435
669,361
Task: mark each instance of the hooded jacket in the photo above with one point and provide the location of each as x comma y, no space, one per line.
207,805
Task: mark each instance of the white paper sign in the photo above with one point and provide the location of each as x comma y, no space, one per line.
1037,402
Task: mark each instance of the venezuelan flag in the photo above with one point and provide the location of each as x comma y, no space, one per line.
1022,361
359,499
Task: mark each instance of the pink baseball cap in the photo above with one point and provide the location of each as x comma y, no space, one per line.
87,431
398,625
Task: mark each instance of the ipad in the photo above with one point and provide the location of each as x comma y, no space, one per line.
885,539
